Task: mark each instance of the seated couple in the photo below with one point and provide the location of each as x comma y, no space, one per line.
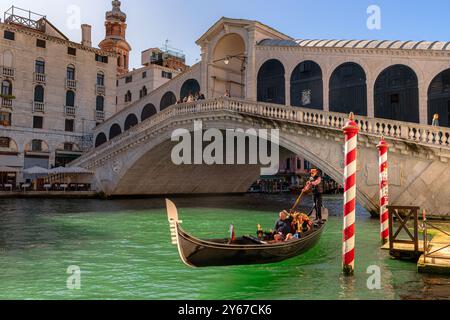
291,226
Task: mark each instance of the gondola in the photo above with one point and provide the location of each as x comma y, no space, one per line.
245,250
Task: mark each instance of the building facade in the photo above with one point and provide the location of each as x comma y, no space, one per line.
53,92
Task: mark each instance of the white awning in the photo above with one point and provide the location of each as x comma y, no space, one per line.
9,170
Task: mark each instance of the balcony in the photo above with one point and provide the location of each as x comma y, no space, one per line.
100,90
38,107
71,84
39,78
6,103
8,72
99,115
70,111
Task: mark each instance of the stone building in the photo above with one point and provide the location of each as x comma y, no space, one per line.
155,72
53,91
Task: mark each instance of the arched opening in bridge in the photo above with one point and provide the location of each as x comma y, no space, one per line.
114,131
271,82
348,89
130,122
100,139
307,86
190,86
167,100
228,69
148,111
397,94
439,98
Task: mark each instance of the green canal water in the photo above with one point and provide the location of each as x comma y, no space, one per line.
123,250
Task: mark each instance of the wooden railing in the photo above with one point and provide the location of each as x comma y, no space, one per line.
410,132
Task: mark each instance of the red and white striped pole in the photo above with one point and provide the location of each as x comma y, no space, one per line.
351,143
383,148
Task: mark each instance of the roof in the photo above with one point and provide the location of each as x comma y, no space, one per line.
360,44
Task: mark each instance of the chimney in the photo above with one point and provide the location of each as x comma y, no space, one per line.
86,35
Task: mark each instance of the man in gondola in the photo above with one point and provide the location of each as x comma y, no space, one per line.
283,226
315,184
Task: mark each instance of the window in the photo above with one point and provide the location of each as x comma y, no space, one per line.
128,97
41,43
72,51
36,145
38,122
68,146
5,119
4,142
167,75
39,66
128,79
102,59
8,35
299,164
143,92
70,73
69,126
6,88
39,94
100,79
307,165
70,98
100,102
288,164
144,74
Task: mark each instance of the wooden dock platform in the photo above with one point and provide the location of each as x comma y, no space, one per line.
438,259
404,250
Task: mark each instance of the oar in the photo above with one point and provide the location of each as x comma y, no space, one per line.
298,200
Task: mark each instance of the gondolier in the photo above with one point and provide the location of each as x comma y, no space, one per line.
315,184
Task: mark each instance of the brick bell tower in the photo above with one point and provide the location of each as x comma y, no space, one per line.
115,40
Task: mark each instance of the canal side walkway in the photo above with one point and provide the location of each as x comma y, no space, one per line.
51,194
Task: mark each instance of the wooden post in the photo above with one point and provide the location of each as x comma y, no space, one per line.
383,148
351,143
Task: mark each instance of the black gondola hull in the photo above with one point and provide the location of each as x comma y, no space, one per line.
210,253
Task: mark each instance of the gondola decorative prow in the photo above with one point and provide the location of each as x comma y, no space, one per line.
172,215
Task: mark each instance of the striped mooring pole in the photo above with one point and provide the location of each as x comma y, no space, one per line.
351,130
383,148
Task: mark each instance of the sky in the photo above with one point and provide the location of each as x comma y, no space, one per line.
182,22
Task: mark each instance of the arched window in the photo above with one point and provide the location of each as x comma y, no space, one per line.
100,103
39,94
39,66
100,139
167,100
128,96
100,79
439,98
70,98
397,94
348,89
271,82
70,72
130,122
307,86
114,131
6,88
190,86
148,111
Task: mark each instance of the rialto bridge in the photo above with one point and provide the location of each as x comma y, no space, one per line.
305,88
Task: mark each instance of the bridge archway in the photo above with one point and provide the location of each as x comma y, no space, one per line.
271,82
100,139
348,89
397,94
439,98
148,111
228,68
167,100
130,122
307,86
115,131
190,86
